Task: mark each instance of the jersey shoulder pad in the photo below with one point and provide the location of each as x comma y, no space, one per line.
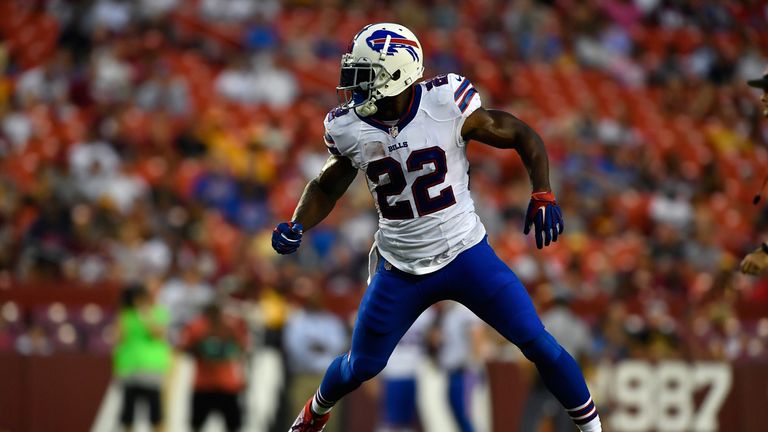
337,129
454,92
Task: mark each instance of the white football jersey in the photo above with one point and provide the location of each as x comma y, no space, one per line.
418,173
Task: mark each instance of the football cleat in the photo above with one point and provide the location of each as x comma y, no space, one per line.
307,421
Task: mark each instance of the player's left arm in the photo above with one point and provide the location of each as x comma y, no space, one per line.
503,130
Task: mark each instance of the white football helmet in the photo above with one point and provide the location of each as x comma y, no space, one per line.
384,60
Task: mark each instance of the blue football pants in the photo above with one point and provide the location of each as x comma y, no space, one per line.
479,280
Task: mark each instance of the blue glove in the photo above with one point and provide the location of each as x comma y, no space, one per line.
545,216
286,237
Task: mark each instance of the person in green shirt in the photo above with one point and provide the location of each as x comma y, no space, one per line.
142,354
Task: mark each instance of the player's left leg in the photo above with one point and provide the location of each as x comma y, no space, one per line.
483,283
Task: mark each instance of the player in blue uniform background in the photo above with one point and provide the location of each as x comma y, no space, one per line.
410,140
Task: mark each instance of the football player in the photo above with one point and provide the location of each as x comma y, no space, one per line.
756,263
410,140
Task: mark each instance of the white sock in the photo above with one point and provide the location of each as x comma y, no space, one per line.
319,405
593,426
584,412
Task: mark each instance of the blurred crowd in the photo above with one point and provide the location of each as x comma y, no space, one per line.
158,141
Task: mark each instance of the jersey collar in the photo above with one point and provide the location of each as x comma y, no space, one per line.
410,114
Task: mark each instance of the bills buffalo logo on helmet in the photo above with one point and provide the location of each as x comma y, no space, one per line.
377,39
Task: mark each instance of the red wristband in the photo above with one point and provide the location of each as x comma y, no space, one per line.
543,196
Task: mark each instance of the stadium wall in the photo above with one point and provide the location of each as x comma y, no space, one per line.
61,392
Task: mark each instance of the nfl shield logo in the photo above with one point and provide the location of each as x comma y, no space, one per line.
393,131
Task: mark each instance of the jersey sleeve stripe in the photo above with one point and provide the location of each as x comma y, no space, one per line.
334,151
328,138
459,91
467,99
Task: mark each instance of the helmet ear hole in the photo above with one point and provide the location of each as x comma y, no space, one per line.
396,75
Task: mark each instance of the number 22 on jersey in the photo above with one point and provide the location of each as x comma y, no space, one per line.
425,204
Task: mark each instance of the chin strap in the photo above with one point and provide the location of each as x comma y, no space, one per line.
367,109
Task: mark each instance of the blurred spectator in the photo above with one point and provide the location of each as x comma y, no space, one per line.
111,75
463,346
93,165
400,413
672,208
703,252
155,9
617,131
217,187
228,10
611,339
185,296
218,344
142,354
46,83
261,35
164,91
16,129
249,212
313,337
34,341
48,242
6,338
124,190
112,14
257,80
238,82
137,257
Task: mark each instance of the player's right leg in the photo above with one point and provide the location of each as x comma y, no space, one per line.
391,304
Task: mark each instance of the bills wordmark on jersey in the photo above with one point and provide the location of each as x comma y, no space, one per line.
398,146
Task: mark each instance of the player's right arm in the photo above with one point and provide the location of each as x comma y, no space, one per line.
317,201
323,191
